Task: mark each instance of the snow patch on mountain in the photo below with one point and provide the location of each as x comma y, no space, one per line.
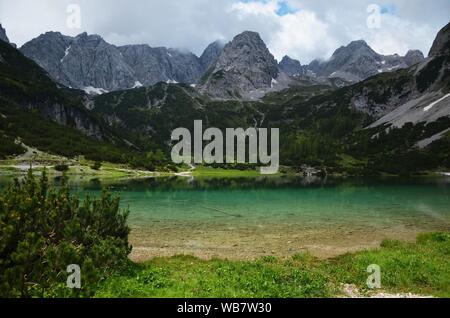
66,53
95,91
434,103
137,84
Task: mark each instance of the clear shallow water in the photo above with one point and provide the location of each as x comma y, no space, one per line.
247,218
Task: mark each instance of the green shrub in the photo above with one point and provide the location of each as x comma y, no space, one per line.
96,166
61,168
45,230
8,147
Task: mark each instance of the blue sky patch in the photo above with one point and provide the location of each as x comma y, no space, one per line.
388,9
284,8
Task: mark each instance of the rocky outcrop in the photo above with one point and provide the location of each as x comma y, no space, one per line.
245,69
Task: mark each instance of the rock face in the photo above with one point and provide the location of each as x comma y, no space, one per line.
358,61
291,67
48,50
211,54
84,61
153,65
441,45
3,36
88,62
244,69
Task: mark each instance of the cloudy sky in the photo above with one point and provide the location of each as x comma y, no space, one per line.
302,29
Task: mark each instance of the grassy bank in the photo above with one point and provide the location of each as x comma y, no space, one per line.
421,268
202,171
81,167
77,169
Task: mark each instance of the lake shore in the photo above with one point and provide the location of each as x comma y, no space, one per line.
251,243
408,270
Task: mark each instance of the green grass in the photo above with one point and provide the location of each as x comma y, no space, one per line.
203,171
420,268
184,276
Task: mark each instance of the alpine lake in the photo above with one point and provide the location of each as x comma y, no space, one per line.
247,218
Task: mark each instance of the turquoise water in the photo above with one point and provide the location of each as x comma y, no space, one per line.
246,218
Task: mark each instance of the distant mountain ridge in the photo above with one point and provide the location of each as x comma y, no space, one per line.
353,63
292,67
88,62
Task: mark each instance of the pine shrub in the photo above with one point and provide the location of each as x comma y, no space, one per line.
43,230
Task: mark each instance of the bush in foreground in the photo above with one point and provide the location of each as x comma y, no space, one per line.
45,230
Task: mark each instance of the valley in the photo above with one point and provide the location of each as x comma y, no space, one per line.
321,121
364,164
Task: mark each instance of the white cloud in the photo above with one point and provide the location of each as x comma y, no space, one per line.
244,9
398,36
298,34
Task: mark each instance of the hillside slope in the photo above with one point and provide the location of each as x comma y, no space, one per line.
47,116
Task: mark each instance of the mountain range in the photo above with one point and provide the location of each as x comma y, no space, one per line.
358,61
249,70
393,119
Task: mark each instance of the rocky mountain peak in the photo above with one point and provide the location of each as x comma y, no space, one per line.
291,66
91,41
211,53
248,38
358,44
244,69
353,51
414,57
441,45
246,49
